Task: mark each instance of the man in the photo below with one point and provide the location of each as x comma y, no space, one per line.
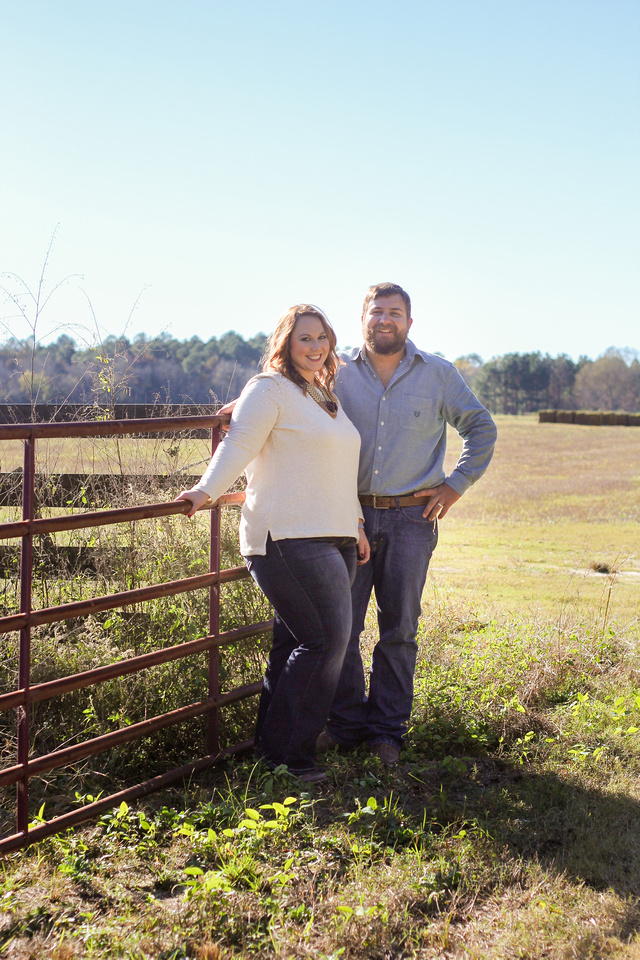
401,400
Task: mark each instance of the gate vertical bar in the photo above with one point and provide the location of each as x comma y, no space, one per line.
24,668
214,613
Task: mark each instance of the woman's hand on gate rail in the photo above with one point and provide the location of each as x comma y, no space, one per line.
198,498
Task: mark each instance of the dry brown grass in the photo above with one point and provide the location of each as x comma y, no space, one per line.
547,472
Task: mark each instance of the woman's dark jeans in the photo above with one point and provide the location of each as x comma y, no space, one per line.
309,584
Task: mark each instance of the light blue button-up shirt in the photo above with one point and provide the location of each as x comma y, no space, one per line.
403,427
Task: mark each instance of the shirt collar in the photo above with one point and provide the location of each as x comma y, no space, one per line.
411,354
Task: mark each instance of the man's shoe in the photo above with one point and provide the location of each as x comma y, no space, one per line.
386,753
325,742
311,776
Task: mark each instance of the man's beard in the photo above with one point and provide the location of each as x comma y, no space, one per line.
388,345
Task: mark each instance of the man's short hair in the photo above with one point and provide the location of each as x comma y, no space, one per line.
386,290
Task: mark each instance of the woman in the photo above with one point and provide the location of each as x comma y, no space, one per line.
301,531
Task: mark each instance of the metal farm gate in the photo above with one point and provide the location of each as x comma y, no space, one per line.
25,694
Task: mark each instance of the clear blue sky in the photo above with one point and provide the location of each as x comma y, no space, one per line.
231,158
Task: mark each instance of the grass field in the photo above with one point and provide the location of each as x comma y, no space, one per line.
510,828
558,500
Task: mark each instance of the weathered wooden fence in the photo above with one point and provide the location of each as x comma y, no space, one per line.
73,490
76,412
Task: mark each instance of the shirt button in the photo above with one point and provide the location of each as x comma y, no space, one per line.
382,423
376,471
383,399
379,448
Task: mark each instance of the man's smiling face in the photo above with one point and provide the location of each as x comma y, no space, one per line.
385,325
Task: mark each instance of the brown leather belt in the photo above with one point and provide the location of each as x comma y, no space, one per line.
391,503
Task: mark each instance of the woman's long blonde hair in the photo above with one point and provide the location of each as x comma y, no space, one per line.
278,355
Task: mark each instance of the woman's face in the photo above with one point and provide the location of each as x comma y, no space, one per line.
309,346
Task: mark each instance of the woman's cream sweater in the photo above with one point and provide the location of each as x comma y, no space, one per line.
301,465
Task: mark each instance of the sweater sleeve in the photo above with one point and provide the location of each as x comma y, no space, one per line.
254,417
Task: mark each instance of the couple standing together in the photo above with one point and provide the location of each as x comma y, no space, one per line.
345,486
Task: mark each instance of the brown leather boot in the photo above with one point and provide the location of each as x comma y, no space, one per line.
385,752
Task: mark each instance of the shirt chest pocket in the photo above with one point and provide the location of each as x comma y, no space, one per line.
419,414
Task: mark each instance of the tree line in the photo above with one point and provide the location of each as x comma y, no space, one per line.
142,370
526,382
166,370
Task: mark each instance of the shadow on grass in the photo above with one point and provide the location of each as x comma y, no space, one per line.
560,819
586,833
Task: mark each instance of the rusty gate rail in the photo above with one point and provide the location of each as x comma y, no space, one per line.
25,694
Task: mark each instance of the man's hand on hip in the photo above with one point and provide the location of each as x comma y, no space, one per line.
441,498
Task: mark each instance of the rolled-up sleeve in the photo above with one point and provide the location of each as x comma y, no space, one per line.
474,423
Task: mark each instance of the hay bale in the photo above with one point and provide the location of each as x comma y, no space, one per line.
547,416
634,419
589,418
566,416
622,419
609,418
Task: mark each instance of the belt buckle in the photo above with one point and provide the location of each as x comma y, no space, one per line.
388,505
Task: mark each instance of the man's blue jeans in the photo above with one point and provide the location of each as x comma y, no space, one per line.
401,546
309,584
